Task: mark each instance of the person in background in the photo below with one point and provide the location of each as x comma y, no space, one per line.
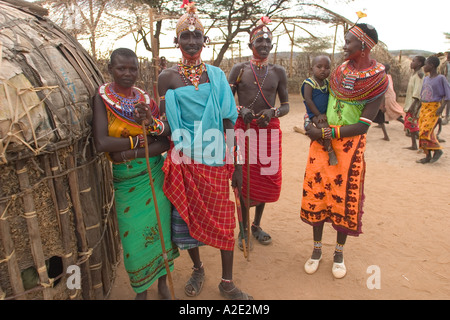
435,89
393,110
412,100
445,70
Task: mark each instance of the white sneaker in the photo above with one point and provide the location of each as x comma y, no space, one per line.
312,265
339,270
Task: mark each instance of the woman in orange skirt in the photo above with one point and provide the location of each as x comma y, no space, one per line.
336,193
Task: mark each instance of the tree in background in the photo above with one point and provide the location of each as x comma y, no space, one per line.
79,16
233,17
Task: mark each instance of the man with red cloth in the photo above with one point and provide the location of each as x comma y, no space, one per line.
200,107
257,84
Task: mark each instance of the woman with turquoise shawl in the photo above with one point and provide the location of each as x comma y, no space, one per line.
117,133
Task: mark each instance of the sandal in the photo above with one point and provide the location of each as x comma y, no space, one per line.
263,237
240,244
234,294
195,282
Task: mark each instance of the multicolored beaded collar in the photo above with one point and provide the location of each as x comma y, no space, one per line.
361,86
121,105
350,74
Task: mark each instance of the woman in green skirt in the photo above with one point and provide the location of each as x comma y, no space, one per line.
116,133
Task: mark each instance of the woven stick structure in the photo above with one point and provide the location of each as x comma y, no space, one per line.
56,194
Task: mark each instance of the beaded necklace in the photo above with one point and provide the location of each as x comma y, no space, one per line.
123,106
352,85
259,63
193,73
260,86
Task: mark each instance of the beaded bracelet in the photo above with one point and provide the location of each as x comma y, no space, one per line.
238,159
131,142
276,112
156,129
140,141
326,133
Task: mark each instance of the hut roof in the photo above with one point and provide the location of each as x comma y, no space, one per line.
47,80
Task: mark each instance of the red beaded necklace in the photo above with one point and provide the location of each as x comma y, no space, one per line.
193,73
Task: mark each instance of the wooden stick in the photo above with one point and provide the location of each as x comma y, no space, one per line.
161,237
63,215
33,228
88,213
241,223
247,205
15,279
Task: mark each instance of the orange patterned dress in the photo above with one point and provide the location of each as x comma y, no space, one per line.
336,193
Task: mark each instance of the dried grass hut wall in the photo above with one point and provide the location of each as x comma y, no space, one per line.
56,195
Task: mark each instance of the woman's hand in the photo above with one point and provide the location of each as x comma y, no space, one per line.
322,118
122,156
441,109
313,133
142,114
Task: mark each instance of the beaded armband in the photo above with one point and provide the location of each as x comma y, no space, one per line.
365,121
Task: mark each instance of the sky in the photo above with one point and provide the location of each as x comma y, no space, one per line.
404,24
401,24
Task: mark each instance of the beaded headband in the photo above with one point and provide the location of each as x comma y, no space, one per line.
262,25
362,36
189,20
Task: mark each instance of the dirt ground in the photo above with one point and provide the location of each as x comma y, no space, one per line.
404,247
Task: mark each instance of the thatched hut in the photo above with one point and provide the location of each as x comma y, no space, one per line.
58,233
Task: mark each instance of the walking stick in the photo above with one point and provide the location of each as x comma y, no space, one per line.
161,237
247,205
241,223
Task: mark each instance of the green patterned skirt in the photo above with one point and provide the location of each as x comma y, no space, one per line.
138,225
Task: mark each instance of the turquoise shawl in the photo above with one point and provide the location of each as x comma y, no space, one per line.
196,117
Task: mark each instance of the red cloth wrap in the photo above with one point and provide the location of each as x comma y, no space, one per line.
265,172
200,193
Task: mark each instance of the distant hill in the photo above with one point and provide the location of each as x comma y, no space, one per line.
412,52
